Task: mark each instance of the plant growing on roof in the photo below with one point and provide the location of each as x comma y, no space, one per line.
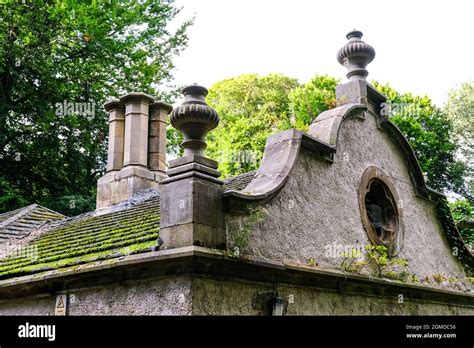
351,261
387,267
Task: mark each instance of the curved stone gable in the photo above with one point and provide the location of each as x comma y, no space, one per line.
311,203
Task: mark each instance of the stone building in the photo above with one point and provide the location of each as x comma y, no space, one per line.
335,221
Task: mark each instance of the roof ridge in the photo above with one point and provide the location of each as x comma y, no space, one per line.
24,211
50,210
239,182
27,220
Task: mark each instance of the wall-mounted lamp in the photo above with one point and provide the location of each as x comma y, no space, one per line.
276,305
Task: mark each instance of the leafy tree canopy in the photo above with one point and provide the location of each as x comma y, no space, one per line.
58,59
308,101
429,132
462,211
460,110
250,107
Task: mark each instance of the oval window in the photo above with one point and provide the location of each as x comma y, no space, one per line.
379,212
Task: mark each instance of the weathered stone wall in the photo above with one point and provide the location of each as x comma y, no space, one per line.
208,296
219,297
319,207
30,305
163,296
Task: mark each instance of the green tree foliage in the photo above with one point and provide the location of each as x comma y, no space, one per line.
78,52
428,131
308,101
460,110
251,107
463,211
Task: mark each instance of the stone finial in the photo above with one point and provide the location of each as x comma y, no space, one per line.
194,118
355,56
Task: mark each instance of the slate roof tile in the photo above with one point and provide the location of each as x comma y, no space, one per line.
239,182
19,223
87,238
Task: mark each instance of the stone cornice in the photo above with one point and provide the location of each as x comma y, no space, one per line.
199,261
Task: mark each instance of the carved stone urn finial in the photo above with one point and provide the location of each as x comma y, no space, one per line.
355,56
194,118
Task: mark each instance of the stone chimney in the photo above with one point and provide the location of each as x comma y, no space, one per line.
191,196
136,159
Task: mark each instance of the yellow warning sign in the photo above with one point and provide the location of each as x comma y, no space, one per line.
61,303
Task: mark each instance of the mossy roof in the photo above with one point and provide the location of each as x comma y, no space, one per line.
87,238
90,237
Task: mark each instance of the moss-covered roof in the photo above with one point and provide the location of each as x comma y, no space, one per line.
18,223
133,229
87,238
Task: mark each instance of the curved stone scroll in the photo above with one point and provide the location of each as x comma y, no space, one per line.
281,152
326,126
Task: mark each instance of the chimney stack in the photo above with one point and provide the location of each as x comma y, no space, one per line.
137,148
157,137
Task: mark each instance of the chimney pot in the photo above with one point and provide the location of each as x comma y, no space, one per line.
137,148
157,136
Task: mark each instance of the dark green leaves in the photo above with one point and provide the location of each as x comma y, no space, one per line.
74,52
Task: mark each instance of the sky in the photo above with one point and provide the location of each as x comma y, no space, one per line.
423,47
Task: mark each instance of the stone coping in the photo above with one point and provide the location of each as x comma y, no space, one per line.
279,158
200,261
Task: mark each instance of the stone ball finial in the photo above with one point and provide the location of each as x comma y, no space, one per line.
355,56
194,118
